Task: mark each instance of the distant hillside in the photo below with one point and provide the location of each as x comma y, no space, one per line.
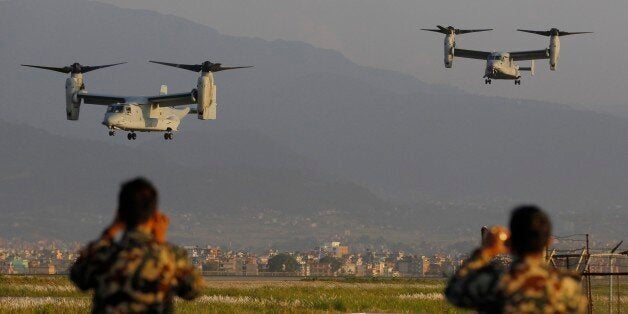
451,161
66,188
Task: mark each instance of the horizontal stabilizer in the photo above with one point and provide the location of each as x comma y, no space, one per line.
182,112
528,69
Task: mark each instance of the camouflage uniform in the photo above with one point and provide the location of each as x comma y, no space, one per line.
136,274
530,285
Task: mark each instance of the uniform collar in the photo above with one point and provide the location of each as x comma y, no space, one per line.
139,234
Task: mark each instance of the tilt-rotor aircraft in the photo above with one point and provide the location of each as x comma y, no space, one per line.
502,65
160,113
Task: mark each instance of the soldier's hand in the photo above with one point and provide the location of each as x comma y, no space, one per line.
495,241
116,227
160,226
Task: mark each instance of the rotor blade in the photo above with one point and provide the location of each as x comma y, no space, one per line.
572,33
443,29
231,68
432,30
542,33
62,70
616,247
189,67
466,31
86,69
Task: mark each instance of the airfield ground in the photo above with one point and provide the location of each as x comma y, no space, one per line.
55,294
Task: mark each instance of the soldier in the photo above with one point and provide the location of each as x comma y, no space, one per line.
529,285
141,272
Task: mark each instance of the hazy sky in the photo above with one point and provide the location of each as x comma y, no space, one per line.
385,34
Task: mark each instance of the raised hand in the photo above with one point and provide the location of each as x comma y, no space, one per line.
160,226
495,241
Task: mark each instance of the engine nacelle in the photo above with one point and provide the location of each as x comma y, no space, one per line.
206,97
72,104
554,52
450,44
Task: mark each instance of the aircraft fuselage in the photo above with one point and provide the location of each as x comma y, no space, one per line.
500,66
143,118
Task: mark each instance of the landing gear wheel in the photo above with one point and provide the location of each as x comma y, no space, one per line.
134,136
167,136
487,81
131,136
517,82
112,133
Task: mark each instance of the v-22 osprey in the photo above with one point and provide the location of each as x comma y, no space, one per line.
159,113
502,65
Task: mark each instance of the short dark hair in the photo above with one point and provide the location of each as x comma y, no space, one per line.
137,202
530,230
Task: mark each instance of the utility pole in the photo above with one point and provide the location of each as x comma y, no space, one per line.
610,286
589,294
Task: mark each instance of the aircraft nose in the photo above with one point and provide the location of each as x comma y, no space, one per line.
111,121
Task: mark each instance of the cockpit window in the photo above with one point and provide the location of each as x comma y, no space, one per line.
128,110
115,109
497,57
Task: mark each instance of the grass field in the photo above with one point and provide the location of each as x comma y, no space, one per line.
55,294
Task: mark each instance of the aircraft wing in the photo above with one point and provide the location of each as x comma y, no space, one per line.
172,99
96,99
530,55
471,54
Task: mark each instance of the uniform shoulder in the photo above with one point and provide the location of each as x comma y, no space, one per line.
566,282
176,250
567,274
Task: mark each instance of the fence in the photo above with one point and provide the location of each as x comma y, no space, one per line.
604,271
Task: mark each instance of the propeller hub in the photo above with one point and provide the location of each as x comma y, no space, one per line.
205,67
76,68
209,66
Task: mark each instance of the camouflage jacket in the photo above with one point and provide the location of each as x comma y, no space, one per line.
136,274
529,285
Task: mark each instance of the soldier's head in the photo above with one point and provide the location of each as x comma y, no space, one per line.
530,230
137,202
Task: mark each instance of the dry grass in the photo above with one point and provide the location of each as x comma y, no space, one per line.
55,294
37,294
